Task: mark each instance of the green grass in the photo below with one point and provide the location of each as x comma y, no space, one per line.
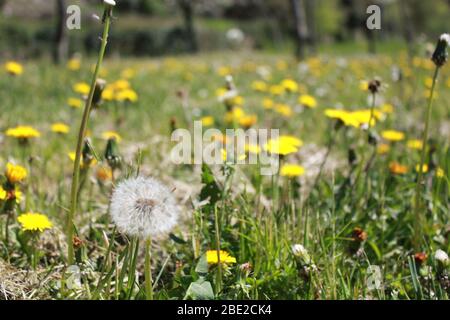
261,233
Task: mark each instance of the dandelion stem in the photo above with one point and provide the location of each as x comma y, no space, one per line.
148,270
81,137
418,191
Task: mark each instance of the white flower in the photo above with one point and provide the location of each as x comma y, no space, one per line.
144,207
112,3
441,256
299,250
445,37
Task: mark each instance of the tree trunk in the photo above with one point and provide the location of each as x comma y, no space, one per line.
188,17
61,49
301,27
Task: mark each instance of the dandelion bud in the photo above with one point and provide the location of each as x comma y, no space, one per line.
99,87
440,55
87,155
112,154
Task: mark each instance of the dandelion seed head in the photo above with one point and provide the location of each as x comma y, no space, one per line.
445,37
144,207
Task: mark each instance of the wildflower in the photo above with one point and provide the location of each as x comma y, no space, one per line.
108,94
225,258
283,109
82,88
60,128
127,95
359,235
299,250
120,84
111,135
15,173
392,135
415,144
374,86
74,64
420,257
441,256
268,103
259,86
424,168
207,121
283,145
307,101
248,120
34,222
104,174
143,207
364,85
3,193
383,148
387,108
292,170
276,90
397,168
75,103
23,132
440,173
14,68
289,85
234,115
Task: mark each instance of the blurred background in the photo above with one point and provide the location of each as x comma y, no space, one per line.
36,28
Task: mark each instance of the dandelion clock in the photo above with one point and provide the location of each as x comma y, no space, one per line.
145,209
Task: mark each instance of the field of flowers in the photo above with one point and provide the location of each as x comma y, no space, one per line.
350,214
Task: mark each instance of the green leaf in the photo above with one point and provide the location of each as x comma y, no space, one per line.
200,290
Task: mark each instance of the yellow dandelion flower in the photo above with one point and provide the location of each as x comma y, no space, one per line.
121,84
268,103
364,85
225,258
397,168
259,86
234,115
15,173
3,193
224,71
111,135
127,95
383,148
23,132
392,135
74,64
415,144
104,173
283,109
207,121
307,101
108,94
281,65
248,120
14,68
284,145
276,90
34,222
387,108
128,73
75,103
82,88
289,85
440,173
60,128
292,170
428,82
424,168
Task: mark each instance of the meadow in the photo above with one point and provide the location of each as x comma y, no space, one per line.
338,221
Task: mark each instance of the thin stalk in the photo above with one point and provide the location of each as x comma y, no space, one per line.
81,137
417,202
219,263
148,270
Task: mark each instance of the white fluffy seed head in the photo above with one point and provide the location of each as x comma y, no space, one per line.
445,37
111,3
144,207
